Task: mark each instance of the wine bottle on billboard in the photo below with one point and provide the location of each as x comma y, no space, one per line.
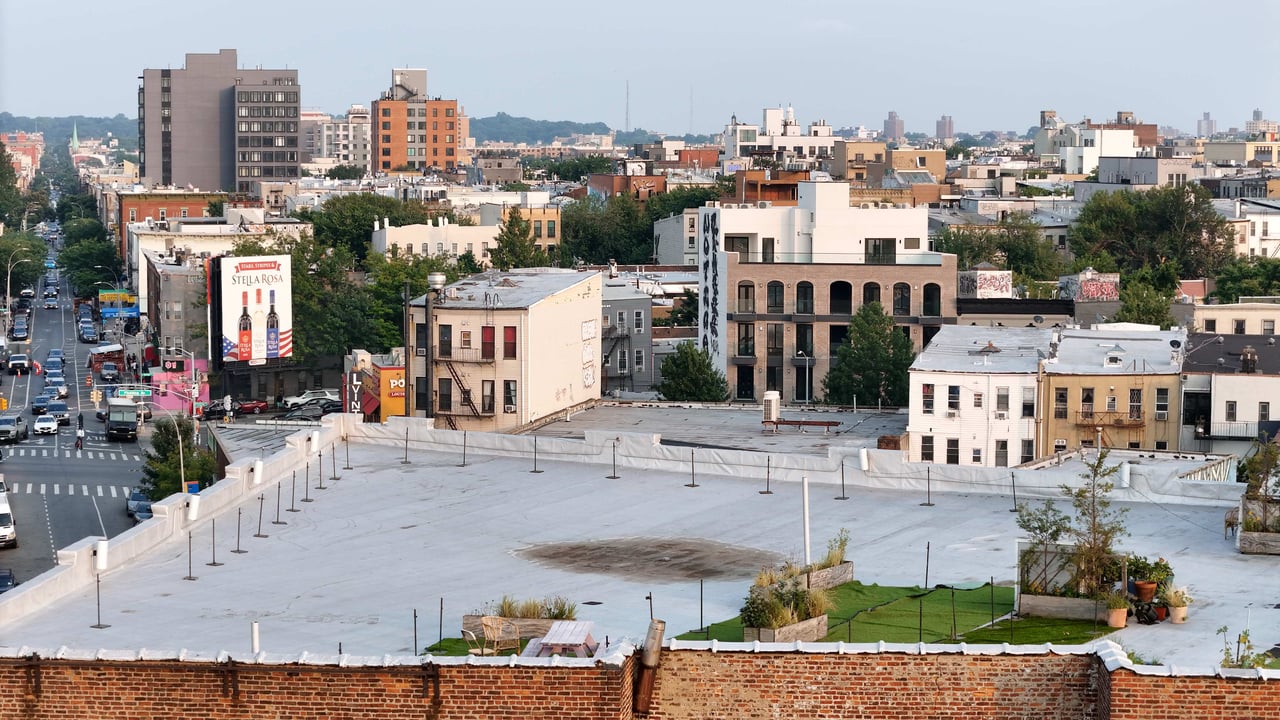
273,329
245,346
259,318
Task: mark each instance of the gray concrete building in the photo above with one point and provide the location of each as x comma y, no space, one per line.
175,301
216,126
627,342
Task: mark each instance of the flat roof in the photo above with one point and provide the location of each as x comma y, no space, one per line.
985,349
1144,352
1206,349
496,289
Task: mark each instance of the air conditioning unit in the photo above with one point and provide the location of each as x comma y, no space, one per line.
952,413
508,408
1002,416
420,352
1162,414
762,204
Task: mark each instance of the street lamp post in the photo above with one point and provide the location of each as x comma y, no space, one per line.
195,379
8,282
804,379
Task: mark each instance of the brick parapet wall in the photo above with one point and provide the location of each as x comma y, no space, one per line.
1133,697
136,690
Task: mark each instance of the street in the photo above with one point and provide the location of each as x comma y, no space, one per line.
59,494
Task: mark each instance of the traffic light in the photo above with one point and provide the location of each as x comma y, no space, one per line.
4,403
95,395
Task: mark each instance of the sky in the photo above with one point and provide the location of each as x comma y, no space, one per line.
990,64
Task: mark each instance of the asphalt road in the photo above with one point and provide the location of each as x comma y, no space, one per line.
59,494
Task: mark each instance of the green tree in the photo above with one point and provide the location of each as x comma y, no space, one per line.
677,200
344,172
689,375
467,264
514,247
20,246
516,187
1165,225
1141,303
1254,276
76,205
1014,243
871,364
568,169
88,263
684,312
386,280
598,230
80,229
216,208
11,205
347,221
1096,526
165,466
971,245
1102,262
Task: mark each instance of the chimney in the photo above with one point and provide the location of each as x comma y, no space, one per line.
1249,360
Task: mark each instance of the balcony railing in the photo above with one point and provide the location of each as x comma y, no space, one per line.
457,354
1111,419
1240,430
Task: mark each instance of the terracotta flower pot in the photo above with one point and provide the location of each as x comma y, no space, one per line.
1145,590
1178,614
1116,617
1161,612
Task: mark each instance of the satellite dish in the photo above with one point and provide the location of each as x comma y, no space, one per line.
1175,344
1037,319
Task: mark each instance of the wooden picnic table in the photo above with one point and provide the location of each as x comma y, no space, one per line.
567,637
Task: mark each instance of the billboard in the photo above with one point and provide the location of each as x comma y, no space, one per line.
257,309
117,303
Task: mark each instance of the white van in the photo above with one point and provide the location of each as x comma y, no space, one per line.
8,528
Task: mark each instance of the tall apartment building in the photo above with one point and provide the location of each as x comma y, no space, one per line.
311,129
215,126
348,139
412,130
945,128
1206,126
894,129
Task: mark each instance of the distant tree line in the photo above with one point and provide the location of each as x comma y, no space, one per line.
57,130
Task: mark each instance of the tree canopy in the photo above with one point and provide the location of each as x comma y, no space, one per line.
344,172
598,230
1163,225
88,263
514,246
11,204
20,246
347,221
165,466
567,169
1254,276
689,375
1142,303
387,277
1015,243
871,364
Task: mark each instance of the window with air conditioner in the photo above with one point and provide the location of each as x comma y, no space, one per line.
1162,403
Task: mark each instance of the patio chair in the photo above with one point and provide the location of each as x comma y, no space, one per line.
500,634
474,645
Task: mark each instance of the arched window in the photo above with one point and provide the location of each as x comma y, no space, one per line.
804,298
870,293
901,299
774,294
746,297
841,298
932,300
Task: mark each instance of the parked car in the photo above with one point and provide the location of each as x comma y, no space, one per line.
88,335
136,499
13,427
46,425
109,373
143,512
330,406
214,410
309,413
19,364
8,580
19,332
252,407
294,401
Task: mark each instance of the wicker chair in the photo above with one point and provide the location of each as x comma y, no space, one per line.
499,634
474,645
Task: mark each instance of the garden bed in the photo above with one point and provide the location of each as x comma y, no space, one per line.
529,627
1064,608
812,630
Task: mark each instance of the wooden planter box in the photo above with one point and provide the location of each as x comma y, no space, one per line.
529,627
812,630
827,578
1052,606
1259,543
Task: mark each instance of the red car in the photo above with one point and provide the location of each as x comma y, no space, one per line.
252,406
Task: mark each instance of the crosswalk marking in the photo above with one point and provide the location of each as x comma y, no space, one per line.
69,453
115,491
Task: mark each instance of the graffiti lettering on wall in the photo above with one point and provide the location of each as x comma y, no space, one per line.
710,283
1079,290
985,284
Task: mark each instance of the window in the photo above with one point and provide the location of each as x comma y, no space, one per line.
444,395
1028,451
746,340
932,300
773,339
773,295
133,215
1086,402
537,229
466,338
1231,411
1002,399
926,448
509,395
622,362
509,342
486,397
1028,402
1002,453
926,396
841,298
977,399
804,339
953,397
1264,411
901,299
1060,403
1135,403
1237,326
804,298
1211,325
486,342
870,293
551,229
639,360
977,456
1162,445
746,297
637,322
1162,403
1268,327
953,451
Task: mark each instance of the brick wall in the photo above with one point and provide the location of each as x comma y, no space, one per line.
702,684
1133,696
138,690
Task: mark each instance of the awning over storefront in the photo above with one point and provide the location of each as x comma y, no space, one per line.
369,402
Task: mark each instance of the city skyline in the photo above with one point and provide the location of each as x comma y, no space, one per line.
1122,57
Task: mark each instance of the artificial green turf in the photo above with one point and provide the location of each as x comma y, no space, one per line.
458,646
1037,631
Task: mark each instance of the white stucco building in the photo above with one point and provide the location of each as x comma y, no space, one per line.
780,138
1230,392
973,396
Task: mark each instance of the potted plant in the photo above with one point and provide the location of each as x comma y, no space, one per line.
1177,599
1117,608
1139,572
